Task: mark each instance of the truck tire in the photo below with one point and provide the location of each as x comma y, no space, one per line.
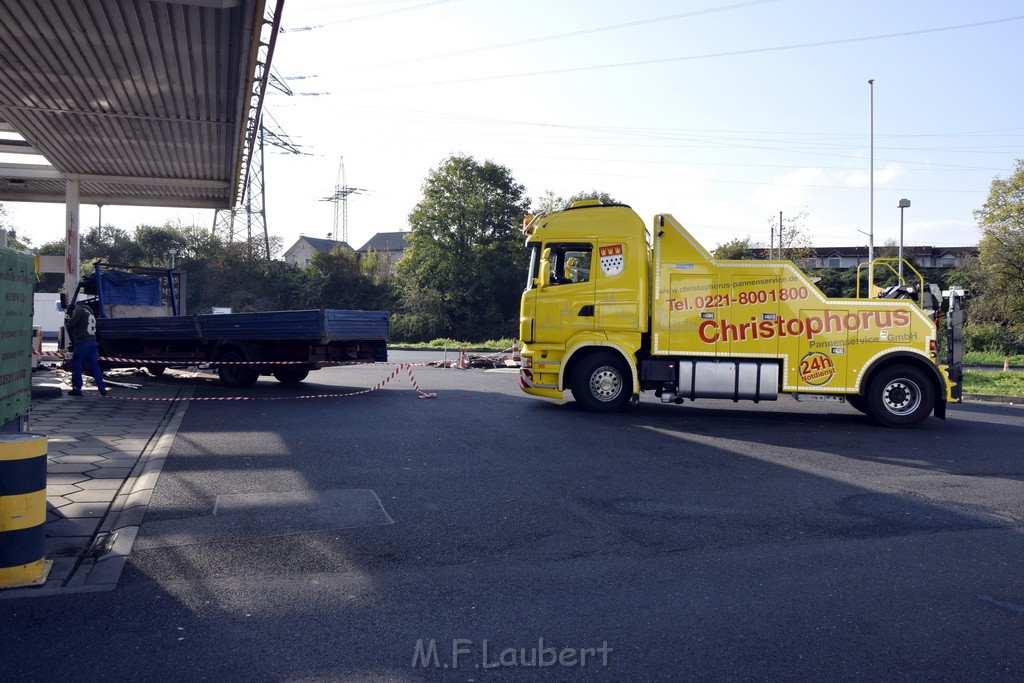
900,396
291,374
236,376
601,383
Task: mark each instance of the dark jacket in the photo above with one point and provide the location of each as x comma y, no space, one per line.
82,325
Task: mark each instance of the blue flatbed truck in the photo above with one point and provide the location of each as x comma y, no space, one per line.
141,323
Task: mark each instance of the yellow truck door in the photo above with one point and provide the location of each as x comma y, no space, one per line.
565,305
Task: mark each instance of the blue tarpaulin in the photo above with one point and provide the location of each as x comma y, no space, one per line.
117,287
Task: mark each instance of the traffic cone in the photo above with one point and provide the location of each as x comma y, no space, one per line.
1006,365
515,349
462,359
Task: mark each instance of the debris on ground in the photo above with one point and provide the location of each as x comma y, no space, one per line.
479,361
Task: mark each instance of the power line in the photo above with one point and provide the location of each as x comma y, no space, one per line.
365,16
420,115
573,34
702,134
704,141
710,55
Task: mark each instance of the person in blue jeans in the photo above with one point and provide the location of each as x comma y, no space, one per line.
81,329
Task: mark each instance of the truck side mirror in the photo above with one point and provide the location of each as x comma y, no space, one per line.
545,268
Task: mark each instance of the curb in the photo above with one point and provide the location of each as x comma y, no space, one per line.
42,391
129,507
120,526
993,398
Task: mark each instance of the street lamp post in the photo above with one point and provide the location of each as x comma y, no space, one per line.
871,192
904,204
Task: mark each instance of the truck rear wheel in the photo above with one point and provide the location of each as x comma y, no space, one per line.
601,383
236,376
291,374
900,396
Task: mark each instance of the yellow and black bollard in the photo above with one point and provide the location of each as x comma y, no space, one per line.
22,509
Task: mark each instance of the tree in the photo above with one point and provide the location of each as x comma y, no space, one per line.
549,201
335,279
109,244
733,249
462,274
13,242
1000,267
838,283
793,241
603,197
376,265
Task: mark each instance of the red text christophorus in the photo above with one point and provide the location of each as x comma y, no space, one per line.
712,331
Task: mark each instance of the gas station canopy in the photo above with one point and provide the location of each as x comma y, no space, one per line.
143,102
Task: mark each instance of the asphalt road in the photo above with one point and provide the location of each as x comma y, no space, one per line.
707,541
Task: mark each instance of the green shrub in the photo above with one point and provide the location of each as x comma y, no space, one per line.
993,338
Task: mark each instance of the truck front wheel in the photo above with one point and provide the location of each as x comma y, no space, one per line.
236,376
900,396
601,383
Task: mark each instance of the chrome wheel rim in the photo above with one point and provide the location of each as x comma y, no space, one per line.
901,396
605,384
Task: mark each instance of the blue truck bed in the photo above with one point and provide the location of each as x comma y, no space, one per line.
321,326
139,324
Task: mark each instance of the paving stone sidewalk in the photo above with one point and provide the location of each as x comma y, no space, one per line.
103,459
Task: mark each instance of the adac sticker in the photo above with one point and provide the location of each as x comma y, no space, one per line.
816,368
611,259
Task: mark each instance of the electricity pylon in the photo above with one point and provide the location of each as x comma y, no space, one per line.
340,201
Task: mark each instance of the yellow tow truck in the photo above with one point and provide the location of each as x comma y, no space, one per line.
611,310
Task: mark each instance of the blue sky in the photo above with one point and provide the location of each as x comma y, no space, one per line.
722,113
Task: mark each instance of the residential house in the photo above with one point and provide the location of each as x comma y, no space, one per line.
389,244
301,253
850,257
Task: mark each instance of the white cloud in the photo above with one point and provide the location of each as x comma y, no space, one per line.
792,189
883,176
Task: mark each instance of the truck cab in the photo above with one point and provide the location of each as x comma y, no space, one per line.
586,290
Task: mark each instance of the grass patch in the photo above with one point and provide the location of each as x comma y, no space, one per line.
996,383
992,358
490,345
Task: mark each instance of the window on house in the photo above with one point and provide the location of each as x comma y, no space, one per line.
834,262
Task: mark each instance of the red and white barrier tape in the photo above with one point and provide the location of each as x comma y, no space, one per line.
142,361
379,385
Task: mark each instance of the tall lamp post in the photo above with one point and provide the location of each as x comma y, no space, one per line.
904,204
871,192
